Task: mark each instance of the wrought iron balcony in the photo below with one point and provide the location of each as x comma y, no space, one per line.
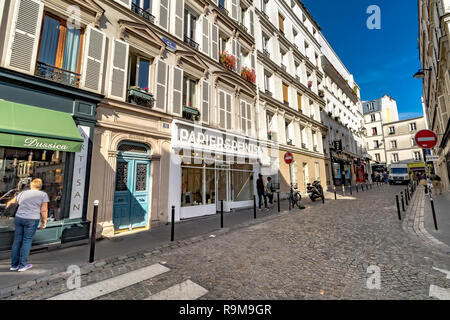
268,92
243,27
53,73
304,146
266,53
142,12
283,67
191,42
289,142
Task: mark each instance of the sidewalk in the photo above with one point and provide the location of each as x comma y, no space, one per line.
442,209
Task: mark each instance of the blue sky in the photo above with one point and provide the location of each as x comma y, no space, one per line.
382,61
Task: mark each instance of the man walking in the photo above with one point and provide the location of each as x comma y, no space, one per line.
261,189
270,190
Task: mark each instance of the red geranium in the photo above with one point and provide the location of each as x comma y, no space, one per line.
248,74
227,60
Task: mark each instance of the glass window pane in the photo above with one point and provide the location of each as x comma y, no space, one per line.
71,49
141,177
144,72
192,186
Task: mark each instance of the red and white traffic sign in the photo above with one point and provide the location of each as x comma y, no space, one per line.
426,139
288,157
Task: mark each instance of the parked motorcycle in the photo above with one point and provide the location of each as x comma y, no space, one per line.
314,190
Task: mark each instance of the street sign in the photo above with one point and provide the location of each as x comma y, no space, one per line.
337,145
432,158
426,139
288,157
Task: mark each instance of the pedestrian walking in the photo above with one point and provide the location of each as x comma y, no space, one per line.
261,189
270,190
32,207
436,180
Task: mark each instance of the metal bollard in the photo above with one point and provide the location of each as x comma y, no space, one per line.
403,203
357,189
398,208
221,214
343,190
351,192
94,232
172,230
323,197
434,213
406,197
254,206
335,197
278,200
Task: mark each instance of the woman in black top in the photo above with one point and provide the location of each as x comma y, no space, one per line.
261,188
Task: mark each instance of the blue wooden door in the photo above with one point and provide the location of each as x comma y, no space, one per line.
131,196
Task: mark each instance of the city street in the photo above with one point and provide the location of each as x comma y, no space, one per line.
322,252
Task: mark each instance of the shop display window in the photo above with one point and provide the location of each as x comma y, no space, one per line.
18,167
242,182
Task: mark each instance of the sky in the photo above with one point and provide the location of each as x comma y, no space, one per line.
382,61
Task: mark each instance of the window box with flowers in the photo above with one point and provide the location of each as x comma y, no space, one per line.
248,74
310,84
321,93
141,96
227,60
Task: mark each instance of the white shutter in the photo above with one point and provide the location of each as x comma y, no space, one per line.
252,22
235,9
221,113
161,85
125,3
177,91
238,57
164,14
243,118
228,112
205,101
118,70
24,35
253,61
205,35
249,119
178,18
92,73
214,42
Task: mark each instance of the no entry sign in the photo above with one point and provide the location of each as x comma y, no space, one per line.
426,139
288,157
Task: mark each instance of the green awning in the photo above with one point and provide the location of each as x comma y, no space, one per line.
31,127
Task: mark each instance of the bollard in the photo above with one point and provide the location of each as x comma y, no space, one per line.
323,197
351,192
362,187
343,190
398,208
221,214
406,197
278,200
94,232
357,189
335,197
403,203
434,213
172,230
254,206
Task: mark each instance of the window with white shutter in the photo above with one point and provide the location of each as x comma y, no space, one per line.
235,4
178,22
246,118
252,22
118,70
205,35
214,42
229,124
225,109
205,101
24,35
161,86
92,74
177,93
125,3
164,14
238,57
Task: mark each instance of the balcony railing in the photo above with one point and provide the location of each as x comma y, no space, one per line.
268,92
243,27
266,53
53,73
283,67
221,7
143,13
191,42
304,146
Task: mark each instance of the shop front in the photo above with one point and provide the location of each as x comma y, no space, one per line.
45,134
209,166
341,168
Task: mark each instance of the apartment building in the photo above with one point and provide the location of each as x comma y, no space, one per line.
434,52
343,117
400,144
377,113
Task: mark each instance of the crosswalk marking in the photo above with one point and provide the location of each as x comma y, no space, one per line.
439,293
186,290
110,285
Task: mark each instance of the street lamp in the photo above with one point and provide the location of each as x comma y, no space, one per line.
421,74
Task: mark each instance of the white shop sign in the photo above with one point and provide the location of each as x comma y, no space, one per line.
79,176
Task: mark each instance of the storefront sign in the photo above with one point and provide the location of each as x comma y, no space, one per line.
14,140
432,158
79,176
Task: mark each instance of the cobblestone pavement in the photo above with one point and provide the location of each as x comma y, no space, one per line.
322,252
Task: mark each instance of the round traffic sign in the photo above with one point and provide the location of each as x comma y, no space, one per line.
288,157
426,139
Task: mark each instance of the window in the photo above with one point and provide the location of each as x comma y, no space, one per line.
263,5
299,101
281,22
189,92
246,118
393,144
193,179
286,130
190,21
371,106
139,74
412,126
265,42
375,144
417,155
222,43
143,4
391,130
377,157
222,4
285,93
374,131
267,82
372,118
59,51
269,121
413,142
395,157
225,116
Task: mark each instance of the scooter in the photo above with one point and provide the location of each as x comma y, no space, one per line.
314,190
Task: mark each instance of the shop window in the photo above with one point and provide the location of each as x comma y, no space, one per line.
18,167
241,182
192,186
59,51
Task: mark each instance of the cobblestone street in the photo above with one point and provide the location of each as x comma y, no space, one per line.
322,252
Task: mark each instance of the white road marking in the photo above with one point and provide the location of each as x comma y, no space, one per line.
443,271
110,285
186,290
440,293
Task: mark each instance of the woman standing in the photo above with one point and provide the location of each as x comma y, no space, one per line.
33,205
